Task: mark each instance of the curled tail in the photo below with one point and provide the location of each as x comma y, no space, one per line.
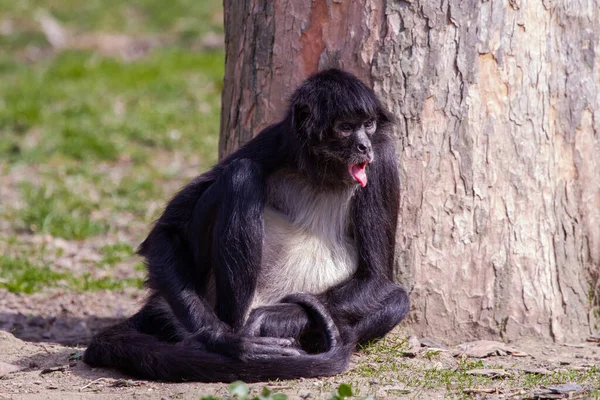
124,348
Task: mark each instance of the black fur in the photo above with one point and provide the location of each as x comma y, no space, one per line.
204,257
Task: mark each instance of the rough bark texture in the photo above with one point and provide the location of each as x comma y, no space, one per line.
498,106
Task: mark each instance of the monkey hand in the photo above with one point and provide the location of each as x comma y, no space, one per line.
241,346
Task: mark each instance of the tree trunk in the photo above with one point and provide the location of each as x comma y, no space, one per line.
498,107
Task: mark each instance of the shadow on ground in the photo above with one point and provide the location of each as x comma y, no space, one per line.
66,330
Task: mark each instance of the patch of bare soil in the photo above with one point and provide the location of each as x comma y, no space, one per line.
126,47
42,338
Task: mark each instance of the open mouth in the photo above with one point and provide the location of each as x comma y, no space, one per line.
359,172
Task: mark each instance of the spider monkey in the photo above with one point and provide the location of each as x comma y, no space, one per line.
277,262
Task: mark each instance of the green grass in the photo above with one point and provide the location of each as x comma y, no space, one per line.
90,108
116,253
83,106
20,275
183,17
59,212
91,145
87,283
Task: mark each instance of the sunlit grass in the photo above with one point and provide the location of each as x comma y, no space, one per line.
92,144
20,275
92,108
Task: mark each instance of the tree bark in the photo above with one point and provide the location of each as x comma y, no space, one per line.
498,107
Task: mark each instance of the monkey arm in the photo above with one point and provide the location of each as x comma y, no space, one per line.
224,238
375,213
237,239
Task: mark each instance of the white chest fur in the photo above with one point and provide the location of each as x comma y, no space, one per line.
307,246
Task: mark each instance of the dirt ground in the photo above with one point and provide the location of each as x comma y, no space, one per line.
44,335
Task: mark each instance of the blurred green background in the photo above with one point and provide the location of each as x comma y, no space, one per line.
107,107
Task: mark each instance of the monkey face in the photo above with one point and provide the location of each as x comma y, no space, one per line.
336,123
347,150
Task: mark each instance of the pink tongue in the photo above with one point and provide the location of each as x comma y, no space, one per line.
359,174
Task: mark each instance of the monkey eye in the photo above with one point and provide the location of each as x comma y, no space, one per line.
369,123
345,127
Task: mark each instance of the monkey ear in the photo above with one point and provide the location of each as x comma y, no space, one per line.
300,117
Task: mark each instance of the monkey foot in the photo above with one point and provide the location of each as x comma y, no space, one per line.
257,348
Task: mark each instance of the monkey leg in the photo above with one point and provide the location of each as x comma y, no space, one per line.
288,320
392,308
278,320
299,316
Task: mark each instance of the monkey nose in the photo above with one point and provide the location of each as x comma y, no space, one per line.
363,148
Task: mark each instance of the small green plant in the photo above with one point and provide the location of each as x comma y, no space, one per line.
344,391
238,390
76,356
